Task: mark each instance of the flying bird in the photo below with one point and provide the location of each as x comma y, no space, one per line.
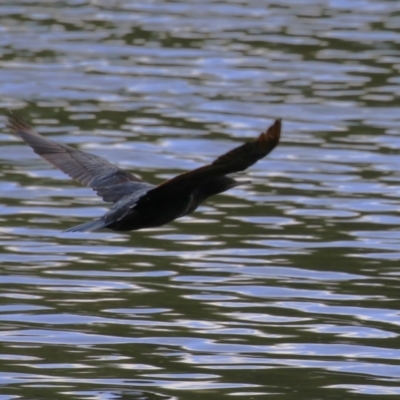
138,204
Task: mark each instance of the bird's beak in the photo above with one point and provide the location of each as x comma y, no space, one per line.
240,183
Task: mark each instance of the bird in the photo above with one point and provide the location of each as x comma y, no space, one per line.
138,204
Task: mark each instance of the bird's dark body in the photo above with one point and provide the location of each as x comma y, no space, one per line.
135,211
130,214
138,204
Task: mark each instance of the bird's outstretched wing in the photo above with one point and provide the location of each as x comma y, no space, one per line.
238,159
88,169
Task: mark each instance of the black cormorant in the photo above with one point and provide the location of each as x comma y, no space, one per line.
138,204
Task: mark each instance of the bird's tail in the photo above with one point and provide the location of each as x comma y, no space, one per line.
88,226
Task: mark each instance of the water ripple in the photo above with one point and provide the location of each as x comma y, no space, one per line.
286,285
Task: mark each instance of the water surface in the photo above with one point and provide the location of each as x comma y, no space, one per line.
288,287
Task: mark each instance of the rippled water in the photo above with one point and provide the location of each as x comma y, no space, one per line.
285,288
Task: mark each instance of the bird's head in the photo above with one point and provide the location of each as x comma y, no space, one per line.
215,186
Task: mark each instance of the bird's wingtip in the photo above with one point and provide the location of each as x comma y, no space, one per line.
277,125
272,135
16,123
